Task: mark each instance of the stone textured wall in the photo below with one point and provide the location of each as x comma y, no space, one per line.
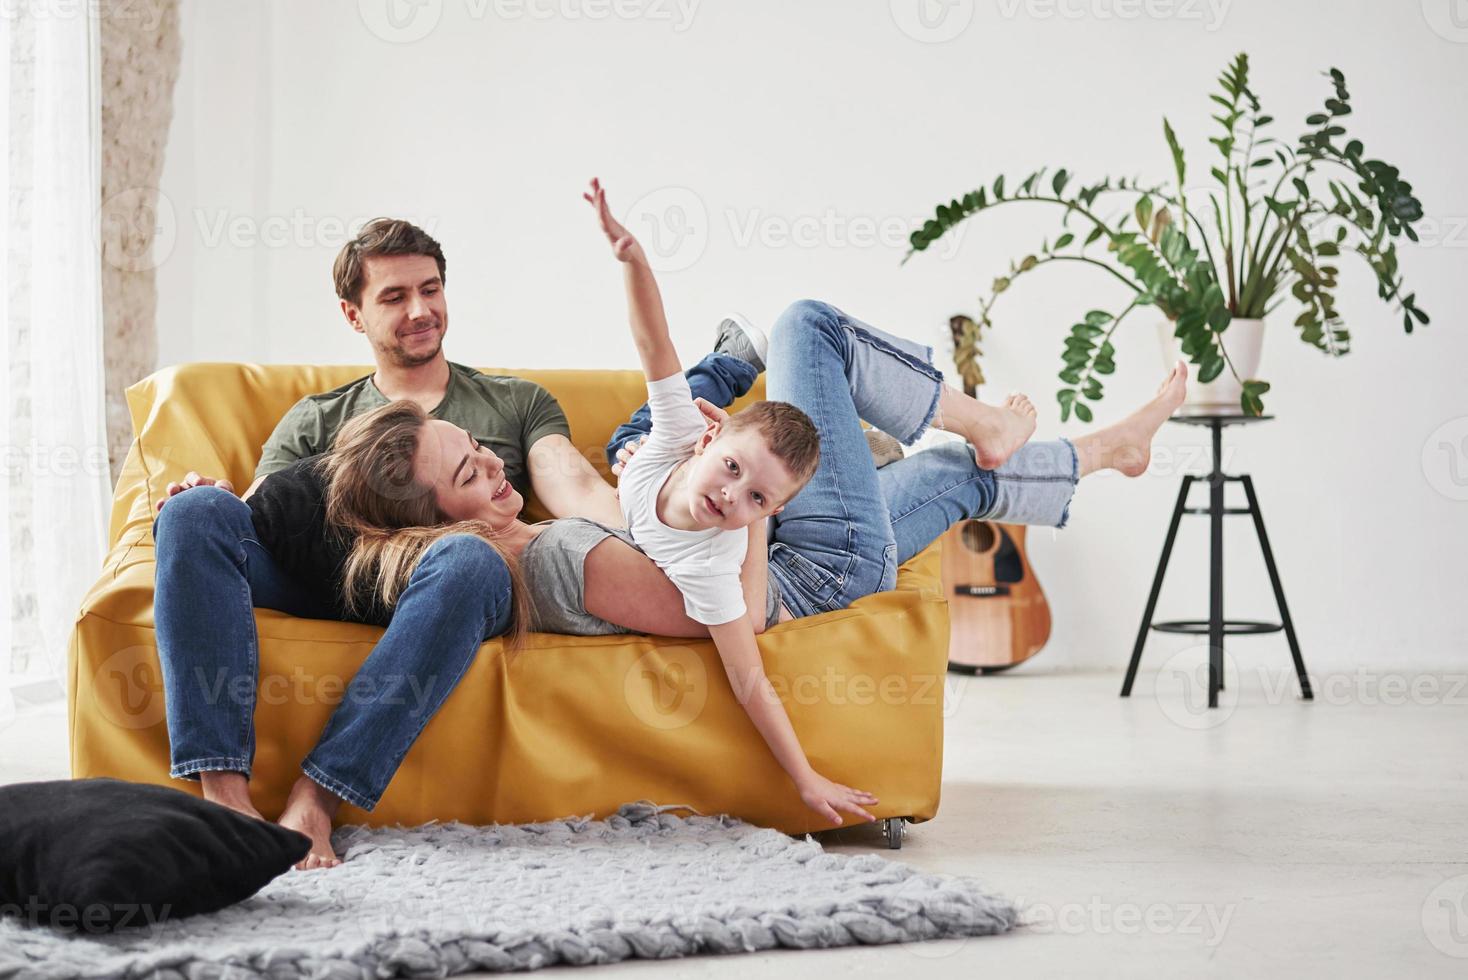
140,60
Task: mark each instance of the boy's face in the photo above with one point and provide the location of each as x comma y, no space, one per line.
734,480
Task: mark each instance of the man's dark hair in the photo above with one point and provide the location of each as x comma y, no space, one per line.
380,236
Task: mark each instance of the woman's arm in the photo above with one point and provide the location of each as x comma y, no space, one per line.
754,574
625,587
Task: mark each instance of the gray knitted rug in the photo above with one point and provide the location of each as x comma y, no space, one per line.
443,899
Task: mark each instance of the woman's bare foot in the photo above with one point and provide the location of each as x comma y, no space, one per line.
1127,445
309,809
995,431
229,789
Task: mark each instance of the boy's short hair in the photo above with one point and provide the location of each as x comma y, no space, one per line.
381,236
788,432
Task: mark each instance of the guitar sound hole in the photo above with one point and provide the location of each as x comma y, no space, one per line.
979,536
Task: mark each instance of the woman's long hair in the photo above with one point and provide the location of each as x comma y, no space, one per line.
374,497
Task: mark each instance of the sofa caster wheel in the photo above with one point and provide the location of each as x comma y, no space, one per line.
893,828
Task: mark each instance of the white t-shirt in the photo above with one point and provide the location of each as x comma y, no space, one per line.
704,565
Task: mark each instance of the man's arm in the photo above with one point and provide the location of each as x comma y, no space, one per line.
567,485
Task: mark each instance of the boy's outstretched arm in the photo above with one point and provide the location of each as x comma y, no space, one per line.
644,302
746,670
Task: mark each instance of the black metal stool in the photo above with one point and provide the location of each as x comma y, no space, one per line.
1215,625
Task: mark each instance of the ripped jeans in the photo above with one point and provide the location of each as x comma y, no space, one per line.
845,533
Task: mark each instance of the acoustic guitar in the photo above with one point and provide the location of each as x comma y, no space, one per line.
996,608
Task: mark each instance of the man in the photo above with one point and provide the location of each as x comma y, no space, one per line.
213,569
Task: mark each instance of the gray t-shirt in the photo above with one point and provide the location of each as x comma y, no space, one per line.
554,569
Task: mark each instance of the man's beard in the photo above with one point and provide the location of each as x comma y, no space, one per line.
401,357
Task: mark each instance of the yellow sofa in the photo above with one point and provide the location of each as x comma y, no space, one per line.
571,725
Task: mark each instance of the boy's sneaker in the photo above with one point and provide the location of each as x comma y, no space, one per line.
739,338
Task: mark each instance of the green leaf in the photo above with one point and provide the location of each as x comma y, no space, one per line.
1144,212
1064,240
1083,411
1210,369
1057,183
1251,400
1095,234
999,188
1178,164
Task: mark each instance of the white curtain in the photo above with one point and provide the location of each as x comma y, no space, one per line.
54,482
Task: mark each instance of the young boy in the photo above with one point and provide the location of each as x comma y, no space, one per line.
696,493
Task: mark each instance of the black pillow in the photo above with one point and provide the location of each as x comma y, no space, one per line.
93,855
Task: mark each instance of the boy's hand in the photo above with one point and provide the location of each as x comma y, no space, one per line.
826,797
711,412
624,246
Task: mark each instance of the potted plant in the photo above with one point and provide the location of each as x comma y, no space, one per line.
1276,219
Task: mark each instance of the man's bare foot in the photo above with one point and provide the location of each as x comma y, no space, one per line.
1127,446
229,789
309,809
995,431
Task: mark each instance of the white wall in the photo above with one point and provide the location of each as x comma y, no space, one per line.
764,118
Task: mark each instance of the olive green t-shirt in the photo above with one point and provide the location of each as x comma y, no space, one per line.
508,415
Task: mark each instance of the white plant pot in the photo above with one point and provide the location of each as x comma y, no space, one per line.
1243,340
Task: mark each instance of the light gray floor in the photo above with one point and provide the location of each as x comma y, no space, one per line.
1151,838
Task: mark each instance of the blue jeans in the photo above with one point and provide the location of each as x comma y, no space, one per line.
845,533
212,572
718,378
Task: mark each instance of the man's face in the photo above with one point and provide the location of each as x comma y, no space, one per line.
403,313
